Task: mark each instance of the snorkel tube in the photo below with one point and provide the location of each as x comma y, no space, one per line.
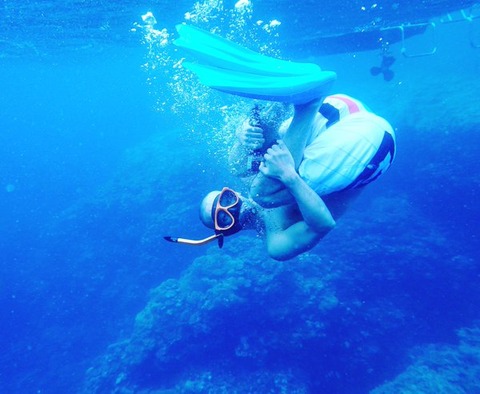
196,242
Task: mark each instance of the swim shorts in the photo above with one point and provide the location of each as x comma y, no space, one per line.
350,153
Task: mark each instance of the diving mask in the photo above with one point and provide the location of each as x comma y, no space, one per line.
225,216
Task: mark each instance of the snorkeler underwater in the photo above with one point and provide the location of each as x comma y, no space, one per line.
239,197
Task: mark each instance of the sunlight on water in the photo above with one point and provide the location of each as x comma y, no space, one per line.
206,114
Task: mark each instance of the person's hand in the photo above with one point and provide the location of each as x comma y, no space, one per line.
278,163
250,137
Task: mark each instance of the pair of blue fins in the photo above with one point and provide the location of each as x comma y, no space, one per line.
231,68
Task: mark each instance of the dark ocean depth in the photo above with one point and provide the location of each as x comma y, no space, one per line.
106,146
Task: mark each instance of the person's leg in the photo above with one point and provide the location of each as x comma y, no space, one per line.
270,192
300,130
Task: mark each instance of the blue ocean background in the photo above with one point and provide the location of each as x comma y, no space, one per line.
106,146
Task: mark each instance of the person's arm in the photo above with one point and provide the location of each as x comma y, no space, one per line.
238,160
290,233
314,212
249,138
285,239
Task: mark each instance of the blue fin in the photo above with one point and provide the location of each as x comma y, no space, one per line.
231,68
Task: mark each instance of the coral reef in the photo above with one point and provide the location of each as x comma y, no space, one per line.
445,369
236,321
228,320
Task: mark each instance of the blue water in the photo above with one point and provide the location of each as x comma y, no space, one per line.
103,152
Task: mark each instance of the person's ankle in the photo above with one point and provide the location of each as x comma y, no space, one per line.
310,107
